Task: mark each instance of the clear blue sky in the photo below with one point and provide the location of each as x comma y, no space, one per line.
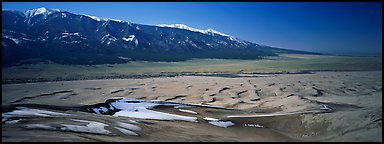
328,27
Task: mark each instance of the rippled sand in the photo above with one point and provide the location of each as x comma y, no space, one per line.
283,107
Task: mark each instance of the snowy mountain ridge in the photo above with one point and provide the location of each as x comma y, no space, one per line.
45,12
40,11
63,37
183,26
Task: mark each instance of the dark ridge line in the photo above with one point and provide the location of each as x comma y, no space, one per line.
223,89
212,100
239,93
116,91
57,92
44,94
320,92
176,97
288,95
96,88
378,119
334,106
212,94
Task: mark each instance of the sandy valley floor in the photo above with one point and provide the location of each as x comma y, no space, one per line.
292,104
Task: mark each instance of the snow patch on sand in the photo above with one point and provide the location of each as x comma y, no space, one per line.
219,123
91,127
188,111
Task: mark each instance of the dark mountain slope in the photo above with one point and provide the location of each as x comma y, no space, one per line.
67,38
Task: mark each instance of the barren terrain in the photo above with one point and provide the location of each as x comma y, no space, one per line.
320,106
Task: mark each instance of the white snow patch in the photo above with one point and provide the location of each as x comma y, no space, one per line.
130,38
16,41
113,39
104,37
40,11
136,42
193,44
124,58
222,123
325,107
127,132
188,111
91,127
101,109
103,19
13,121
181,106
132,104
183,26
129,126
64,35
27,39
254,125
111,107
77,34
209,31
39,126
28,112
237,40
210,119
150,114
138,109
63,15
93,17
219,123
109,19
109,38
213,32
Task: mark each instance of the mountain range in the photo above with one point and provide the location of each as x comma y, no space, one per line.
66,38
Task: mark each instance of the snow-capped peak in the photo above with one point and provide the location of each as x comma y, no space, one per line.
102,19
109,19
40,11
93,17
213,32
182,26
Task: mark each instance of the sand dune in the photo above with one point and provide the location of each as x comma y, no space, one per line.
323,106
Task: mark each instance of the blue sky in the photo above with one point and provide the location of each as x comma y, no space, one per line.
327,27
